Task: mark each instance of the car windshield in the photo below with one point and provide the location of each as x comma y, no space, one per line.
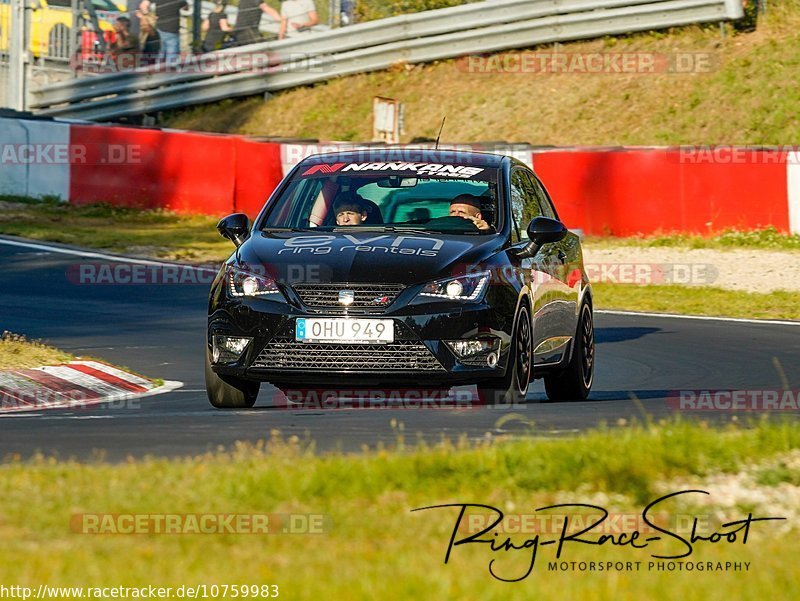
454,199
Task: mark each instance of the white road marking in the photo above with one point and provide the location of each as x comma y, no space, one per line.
95,255
777,322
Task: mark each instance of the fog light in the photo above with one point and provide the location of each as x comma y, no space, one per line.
226,349
469,348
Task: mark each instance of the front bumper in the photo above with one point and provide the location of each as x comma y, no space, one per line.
417,357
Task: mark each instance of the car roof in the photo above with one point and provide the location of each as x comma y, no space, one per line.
410,155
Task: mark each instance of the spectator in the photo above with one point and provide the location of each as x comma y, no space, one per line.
168,14
298,16
248,18
347,15
125,44
149,40
216,27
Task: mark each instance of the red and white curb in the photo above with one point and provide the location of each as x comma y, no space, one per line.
74,384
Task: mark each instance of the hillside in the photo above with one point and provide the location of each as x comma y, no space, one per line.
743,90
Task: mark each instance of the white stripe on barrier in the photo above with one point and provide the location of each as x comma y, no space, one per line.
793,190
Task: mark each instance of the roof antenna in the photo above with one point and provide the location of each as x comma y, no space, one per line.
440,133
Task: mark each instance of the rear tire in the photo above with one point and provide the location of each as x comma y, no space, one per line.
225,392
513,386
575,381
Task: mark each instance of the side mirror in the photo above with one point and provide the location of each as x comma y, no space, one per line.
541,231
235,228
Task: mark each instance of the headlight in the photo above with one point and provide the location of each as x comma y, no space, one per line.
464,288
242,283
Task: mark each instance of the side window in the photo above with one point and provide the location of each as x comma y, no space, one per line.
524,205
544,200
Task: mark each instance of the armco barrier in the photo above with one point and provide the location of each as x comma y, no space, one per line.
611,191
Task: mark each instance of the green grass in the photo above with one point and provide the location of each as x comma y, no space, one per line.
748,95
18,352
767,239
375,547
154,233
697,300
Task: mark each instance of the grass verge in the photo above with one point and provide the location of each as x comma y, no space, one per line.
763,239
697,300
737,89
374,546
17,352
153,233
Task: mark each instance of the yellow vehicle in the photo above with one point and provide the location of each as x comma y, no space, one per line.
51,25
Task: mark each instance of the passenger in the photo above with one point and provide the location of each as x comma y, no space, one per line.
469,207
349,209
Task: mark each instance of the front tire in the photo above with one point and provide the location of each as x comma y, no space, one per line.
575,381
513,386
225,392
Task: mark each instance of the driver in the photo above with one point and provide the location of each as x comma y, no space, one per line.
349,209
469,207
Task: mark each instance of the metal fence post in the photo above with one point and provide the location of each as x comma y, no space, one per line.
18,55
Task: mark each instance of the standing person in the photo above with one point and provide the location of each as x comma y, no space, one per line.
149,40
248,18
168,14
215,27
125,44
298,16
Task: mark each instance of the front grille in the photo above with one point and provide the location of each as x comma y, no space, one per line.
401,355
366,295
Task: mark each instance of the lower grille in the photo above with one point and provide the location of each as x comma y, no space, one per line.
401,355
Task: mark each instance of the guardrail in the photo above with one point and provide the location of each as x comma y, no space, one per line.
423,37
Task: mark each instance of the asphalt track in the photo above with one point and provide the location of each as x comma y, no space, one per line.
158,330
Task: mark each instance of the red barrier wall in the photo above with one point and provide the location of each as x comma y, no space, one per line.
258,173
182,171
626,192
619,192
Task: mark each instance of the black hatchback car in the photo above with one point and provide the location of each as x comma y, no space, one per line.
402,267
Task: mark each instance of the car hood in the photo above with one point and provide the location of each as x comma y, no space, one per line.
334,257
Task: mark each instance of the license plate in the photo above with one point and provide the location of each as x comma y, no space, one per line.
347,330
